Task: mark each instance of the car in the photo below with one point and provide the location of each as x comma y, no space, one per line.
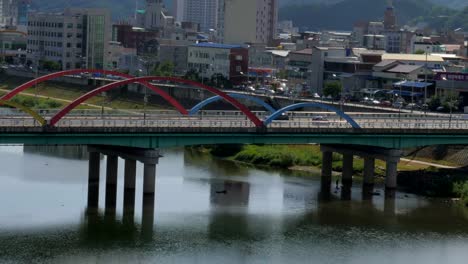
250,89
319,118
412,106
440,109
316,96
375,102
398,105
283,116
386,103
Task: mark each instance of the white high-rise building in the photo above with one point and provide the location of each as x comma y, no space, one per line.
203,12
178,8
8,13
247,21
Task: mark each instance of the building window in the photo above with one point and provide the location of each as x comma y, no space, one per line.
70,25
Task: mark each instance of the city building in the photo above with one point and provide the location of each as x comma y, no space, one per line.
133,37
351,67
299,64
231,61
76,38
121,58
8,13
390,17
12,46
202,12
248,21
176,52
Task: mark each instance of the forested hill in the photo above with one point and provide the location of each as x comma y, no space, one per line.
343,15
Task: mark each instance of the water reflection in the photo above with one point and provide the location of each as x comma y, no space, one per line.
214,211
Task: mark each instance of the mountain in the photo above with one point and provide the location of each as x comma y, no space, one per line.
454,4
342,15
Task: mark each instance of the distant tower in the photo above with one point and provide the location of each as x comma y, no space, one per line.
390,18
153,17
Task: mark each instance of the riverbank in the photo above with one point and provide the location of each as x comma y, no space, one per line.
68,92
423,178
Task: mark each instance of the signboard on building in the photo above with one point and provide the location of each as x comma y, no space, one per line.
448,76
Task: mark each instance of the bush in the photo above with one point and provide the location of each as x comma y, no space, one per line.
461,189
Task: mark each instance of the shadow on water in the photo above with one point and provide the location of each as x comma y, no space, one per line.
63,152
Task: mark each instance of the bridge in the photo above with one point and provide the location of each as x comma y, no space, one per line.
137,135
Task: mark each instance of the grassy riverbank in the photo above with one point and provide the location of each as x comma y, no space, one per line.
293,157
416,178
70,92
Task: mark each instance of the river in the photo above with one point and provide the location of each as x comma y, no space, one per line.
212,211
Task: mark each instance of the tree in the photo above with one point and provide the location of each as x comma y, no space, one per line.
164,69
50,65
193,75
420,52
332,89
218,80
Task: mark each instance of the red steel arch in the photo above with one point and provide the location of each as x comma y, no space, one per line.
51,76
110,86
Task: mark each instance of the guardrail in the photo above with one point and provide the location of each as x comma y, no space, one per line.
194,122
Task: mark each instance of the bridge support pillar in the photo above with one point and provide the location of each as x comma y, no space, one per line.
111,183
129,190
93,180
347,169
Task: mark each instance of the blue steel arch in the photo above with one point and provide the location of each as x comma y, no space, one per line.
278,113
213,99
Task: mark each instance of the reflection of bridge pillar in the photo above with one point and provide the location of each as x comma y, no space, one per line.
129,190
149,186
368,183
93,180
111,183
327,160
347,169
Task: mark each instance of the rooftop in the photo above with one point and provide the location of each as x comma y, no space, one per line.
404,68
303,51
411,57
216,45
385,63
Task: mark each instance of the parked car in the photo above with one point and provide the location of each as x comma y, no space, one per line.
319,118
412,106
250,89
398,105
283,116
386,103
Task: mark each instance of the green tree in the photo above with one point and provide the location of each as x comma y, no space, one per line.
282,74
193,75
50,65
332,89
164,69
419,52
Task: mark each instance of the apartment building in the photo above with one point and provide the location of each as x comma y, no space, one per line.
232,61
76,38
248,21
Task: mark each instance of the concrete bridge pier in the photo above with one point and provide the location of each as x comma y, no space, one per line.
149,157
390,156
93,180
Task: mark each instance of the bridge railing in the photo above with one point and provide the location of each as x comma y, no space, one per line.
214,122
